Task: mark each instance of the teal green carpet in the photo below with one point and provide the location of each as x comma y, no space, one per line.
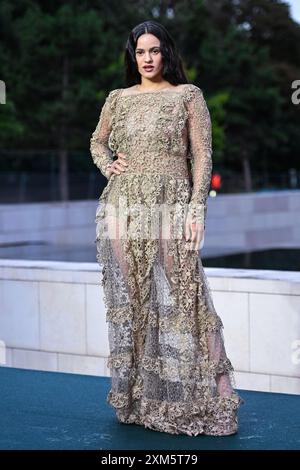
47,410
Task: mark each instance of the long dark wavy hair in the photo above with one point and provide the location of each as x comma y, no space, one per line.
172,64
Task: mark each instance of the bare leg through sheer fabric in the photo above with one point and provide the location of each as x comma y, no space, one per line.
169,369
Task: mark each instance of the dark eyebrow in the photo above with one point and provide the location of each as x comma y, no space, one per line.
141,49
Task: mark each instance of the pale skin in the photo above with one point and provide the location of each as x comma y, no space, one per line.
148,53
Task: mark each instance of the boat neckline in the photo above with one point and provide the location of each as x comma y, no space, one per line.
163,90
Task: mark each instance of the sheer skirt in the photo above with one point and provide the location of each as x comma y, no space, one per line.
168,363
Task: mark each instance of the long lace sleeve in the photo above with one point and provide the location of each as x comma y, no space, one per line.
101,153
200,146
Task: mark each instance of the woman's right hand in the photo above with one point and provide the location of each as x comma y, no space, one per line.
194,233
119,165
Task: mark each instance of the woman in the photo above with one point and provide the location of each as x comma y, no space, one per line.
167,358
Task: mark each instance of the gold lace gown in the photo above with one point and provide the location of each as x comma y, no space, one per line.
169,368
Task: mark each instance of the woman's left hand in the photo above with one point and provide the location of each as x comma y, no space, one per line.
194,232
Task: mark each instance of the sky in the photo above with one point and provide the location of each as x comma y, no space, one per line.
295,9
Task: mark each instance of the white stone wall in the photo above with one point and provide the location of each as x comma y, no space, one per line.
70,223
52,318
